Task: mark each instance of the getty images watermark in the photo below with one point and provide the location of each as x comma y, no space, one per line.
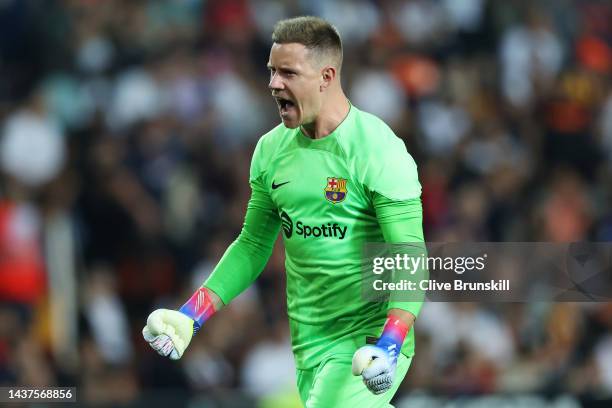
412,264
487,271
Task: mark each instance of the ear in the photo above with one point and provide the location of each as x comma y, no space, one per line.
328,74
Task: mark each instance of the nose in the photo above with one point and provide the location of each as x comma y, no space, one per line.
276,82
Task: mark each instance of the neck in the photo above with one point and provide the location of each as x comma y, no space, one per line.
332,113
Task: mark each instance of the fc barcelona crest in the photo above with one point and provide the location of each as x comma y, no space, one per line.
335,191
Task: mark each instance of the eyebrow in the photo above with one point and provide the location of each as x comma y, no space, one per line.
281,67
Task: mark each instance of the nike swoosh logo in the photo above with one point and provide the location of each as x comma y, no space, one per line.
275,186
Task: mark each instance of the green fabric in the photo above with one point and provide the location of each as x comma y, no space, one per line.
401,222
331,384
324,232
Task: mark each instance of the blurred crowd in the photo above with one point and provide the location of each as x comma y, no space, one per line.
126,131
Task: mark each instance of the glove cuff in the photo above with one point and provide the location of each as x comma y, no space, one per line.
199,307
393,336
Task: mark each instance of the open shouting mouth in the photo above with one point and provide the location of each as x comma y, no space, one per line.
285,106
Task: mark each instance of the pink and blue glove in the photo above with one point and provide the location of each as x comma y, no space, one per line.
377,363
169,332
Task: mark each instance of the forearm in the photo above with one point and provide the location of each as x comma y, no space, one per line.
401,222
242,262
235,272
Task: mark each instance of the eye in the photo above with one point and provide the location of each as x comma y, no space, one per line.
287,73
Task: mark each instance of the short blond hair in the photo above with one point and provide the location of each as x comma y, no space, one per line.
314,33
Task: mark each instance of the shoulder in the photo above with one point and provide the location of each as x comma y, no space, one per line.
369,134
379,158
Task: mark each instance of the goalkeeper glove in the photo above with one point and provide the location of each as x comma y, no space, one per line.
377,364
169,332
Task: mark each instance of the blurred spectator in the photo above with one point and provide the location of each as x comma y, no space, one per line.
379,93
530,58
32,146
273,355
106,317
443,126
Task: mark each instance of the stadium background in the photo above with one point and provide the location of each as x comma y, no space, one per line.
127,129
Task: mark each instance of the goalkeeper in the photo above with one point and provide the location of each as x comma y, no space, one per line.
334,178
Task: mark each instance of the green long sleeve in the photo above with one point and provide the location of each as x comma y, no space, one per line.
246,257
401,221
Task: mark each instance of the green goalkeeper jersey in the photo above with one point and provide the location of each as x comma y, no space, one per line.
330,196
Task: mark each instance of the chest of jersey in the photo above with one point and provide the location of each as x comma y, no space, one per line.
317,197
313,181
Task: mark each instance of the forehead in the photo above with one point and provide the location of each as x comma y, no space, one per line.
288,54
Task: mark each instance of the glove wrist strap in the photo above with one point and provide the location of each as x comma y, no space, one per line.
199,307
393,335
